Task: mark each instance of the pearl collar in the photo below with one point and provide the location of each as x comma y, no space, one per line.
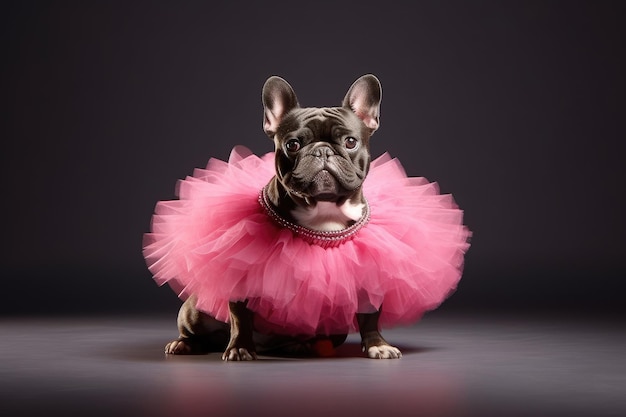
325,239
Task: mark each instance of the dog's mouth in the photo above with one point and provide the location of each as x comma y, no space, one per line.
324,187
329,179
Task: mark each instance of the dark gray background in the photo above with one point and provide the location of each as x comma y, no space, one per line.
517,108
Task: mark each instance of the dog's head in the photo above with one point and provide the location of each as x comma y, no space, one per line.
322,154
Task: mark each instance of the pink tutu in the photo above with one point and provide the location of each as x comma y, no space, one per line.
218,242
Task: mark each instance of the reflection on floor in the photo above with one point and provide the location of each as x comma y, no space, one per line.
476,365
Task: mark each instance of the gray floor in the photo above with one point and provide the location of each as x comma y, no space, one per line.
485,365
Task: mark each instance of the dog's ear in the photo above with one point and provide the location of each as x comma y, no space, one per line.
363,98
278,100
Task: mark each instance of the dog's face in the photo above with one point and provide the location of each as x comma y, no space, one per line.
322,154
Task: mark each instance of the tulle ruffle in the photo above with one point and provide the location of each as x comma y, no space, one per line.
217,241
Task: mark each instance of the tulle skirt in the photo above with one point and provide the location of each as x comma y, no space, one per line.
218,242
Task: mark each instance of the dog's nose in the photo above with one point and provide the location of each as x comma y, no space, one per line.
323,152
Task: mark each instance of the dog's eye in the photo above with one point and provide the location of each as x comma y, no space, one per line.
293,145
351,142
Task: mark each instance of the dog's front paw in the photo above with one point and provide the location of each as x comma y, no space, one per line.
178,347
384,352
238,354
377,347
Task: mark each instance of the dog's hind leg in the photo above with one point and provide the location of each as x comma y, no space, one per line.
199,332
372,342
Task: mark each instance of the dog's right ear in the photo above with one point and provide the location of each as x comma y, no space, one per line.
278,100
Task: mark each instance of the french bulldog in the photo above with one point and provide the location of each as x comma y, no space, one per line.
322,158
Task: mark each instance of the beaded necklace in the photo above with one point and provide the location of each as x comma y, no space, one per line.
325,239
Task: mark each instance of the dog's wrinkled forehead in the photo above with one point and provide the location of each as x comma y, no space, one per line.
320,124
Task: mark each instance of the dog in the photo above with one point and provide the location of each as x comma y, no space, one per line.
322,157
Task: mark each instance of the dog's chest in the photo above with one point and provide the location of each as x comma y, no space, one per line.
328,216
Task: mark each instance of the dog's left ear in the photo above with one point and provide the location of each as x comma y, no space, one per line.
363,98
278,100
